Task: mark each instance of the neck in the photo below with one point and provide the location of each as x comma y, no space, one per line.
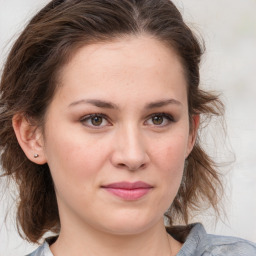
88,241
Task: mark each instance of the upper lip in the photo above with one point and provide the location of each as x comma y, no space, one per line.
128,185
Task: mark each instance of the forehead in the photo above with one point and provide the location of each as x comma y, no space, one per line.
142,64
143,50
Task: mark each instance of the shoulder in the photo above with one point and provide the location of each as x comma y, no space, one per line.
221,245
43,250
199,243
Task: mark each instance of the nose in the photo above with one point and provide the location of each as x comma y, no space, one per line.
129,150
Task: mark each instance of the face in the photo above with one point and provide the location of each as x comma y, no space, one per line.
117,135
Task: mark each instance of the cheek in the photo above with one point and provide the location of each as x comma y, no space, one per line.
172,164
74,158
170,153
169,159
75,167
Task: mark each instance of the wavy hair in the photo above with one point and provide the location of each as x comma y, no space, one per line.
29,81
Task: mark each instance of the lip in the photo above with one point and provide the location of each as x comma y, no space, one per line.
128,190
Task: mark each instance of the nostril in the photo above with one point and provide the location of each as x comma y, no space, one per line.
131,157
142,166
131,167
121,165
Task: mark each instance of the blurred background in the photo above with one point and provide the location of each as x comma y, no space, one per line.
229,66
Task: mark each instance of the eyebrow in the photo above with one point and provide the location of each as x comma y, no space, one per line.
95,102
162,103
110,105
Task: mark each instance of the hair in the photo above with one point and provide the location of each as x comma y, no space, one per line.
29,82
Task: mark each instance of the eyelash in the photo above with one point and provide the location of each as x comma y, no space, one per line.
169,118
89,118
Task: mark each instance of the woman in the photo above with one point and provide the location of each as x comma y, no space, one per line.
100,105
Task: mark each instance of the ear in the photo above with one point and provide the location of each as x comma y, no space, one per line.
30,139
193,133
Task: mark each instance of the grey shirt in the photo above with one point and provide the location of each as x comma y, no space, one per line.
197,243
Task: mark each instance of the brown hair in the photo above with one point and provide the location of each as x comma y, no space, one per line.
29,81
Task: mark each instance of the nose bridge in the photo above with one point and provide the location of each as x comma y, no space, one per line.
130,150
133,140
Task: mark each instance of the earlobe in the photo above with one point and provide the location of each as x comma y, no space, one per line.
193,133
30,139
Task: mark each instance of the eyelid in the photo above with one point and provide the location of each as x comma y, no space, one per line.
164,114
87,117
93,115
169,117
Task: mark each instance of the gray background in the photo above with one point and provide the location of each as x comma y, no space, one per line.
229,66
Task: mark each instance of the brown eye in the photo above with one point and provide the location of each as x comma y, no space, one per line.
160,120
96,120
157,120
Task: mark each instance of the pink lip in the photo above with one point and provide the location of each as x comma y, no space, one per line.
127,190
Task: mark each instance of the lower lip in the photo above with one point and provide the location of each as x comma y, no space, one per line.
129,194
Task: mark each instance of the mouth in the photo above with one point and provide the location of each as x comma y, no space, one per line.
127,190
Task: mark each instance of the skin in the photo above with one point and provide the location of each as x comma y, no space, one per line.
121,80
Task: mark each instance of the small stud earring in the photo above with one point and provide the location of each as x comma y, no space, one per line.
36,155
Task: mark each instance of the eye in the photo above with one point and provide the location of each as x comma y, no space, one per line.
159,119
95,121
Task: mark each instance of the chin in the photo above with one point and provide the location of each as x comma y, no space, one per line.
130,225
